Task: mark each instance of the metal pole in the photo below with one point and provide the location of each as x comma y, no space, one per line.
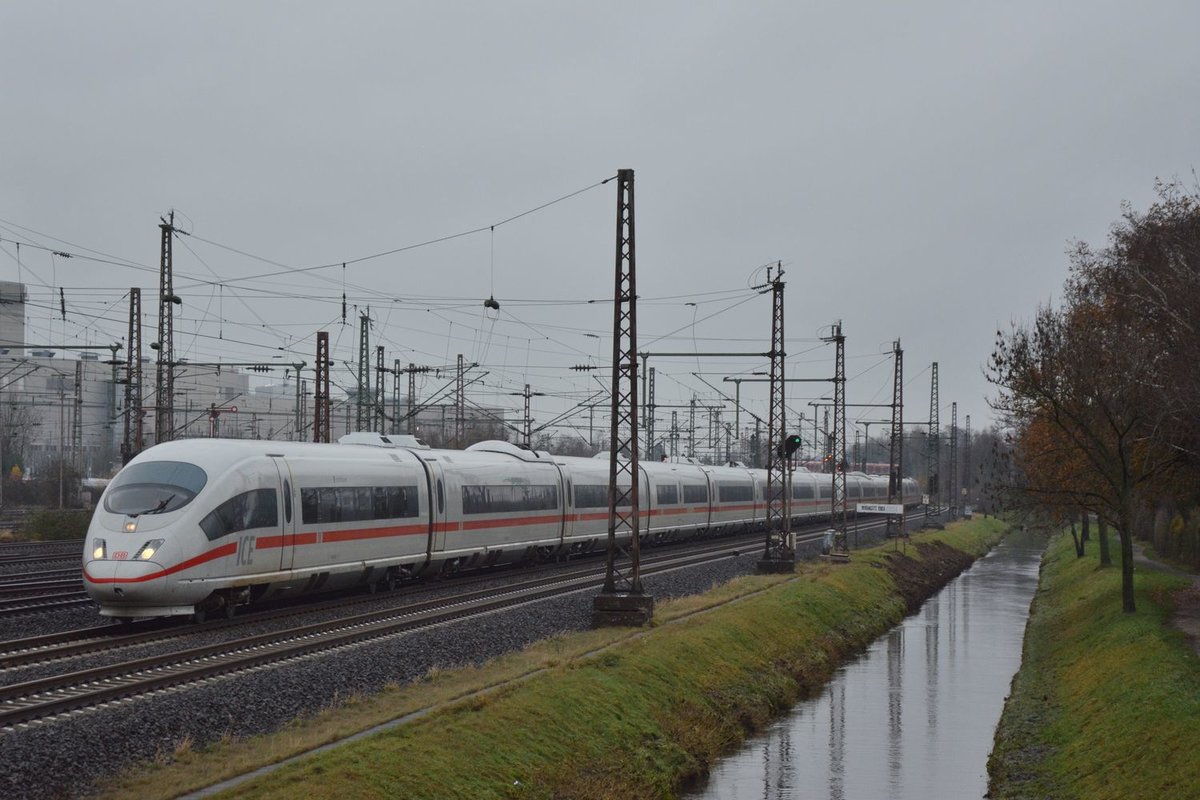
61,441
622,600
896,449
164,399
778,553
362,402
321,405
459,405
934,451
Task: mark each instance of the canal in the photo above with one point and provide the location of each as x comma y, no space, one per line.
914,716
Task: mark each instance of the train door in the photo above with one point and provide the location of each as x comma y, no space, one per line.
436,482
287,519
564,489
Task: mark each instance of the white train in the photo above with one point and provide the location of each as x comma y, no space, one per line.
201,526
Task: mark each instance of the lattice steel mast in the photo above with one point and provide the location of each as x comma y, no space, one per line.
933,445
412,398
968,477
321,389
896,445
396,373
838,510
164,384
77,420
362,401
379,416
778,553
460,404
952,489
650,415
134,439
622,600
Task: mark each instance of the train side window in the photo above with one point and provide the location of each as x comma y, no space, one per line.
668,494
364,503
344,510
734,492
802,491
330,510
310,506
597,496
695,494
254,509
287,501
508,498
441,497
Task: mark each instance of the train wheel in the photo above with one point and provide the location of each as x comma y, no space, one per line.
229,610
199,615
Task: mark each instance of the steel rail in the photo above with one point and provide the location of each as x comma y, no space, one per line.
47,697
69,644
82,641
25,605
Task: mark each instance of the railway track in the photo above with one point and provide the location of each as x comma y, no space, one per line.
24,592
12,548
84,641
47,586
33,701
44,698
14,606
46,574
40,552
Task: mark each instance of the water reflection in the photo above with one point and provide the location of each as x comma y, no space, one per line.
837,740
895,706
855,740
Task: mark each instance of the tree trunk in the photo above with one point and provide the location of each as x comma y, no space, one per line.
1128,604
1076,540
1105,556
1086,533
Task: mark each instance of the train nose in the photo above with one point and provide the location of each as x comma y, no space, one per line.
124,581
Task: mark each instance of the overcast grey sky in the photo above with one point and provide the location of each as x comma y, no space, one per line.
919,168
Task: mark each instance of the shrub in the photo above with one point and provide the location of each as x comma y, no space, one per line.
56,524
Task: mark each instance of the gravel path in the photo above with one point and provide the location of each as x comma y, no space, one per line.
64,758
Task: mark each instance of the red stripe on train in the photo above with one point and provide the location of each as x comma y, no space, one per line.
478,524
286,540
219,552
374,533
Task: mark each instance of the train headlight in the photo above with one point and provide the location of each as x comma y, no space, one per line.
98,549
148,550
131,525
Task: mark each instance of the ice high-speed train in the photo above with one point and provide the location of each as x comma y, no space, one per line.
201,526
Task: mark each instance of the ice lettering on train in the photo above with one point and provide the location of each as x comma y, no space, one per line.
245,550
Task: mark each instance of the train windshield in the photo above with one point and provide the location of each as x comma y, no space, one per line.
154,488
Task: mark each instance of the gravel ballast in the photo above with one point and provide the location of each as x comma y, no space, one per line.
64,757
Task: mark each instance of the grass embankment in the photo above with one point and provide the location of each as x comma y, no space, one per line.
599,714
1106,704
